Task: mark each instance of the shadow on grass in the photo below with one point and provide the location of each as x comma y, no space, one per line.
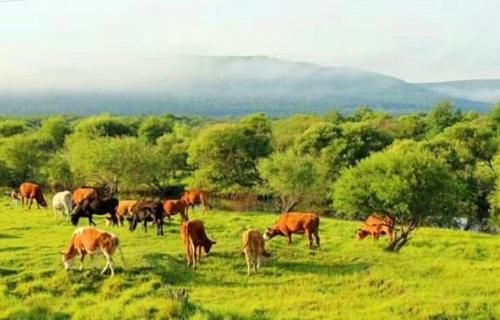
38,313
8,236
168,268
7,272
331,269
10,249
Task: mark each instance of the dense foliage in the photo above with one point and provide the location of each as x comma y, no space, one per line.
300,161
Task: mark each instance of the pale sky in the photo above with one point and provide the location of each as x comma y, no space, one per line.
416,40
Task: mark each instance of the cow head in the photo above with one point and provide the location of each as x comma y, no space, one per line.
361,234
42,202
67,260
208,245
270,233
74,219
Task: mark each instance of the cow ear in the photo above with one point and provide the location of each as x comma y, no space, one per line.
62,252
213,242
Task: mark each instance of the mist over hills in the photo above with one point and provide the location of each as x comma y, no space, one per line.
233,86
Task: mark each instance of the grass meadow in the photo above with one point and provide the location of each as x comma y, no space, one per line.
441,274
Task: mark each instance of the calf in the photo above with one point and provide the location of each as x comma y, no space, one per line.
15,197
62,202
254,248
195,197
91,241
375,226
194,238
171,207
296,222
32,191
97,206
147,210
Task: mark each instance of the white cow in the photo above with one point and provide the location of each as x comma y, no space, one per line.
62,203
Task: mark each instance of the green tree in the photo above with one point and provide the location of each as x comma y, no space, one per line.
292,178
405,182
154,127
442,115
54,130
12,127
58,172
105,126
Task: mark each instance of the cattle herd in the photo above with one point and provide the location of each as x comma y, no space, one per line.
86,201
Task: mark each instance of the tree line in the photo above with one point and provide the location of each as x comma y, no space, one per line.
422,168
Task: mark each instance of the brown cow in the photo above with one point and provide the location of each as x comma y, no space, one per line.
296,222
171,207
195,197
194,238
253,245
376,225
91,240
32,191
123,211
81,194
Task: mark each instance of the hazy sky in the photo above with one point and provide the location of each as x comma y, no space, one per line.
417,40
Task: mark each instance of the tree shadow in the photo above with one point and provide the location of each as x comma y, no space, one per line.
7,272
36,313
10,249
8,236
330,269
170,269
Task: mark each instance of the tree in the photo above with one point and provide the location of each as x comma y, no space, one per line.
58,172
317,137
154,127
405,182
292,178
12,127
105,126
54,130
442,116
225,155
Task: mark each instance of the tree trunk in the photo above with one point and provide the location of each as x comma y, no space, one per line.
401,239
287,204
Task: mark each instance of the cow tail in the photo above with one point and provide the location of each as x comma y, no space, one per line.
245,244
117,243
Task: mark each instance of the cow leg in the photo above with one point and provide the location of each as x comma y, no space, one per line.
257,259
82,256
109,263
316,236
193,254
247,257
30,202
54,210
146,226
92,260
289,236
309,237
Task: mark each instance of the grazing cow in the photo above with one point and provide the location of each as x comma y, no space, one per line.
97,206
254,248
15,197
123,211
195,197
296,222
32,191
90,241
62,202
81,194
147,210
171,207
376,225
194,238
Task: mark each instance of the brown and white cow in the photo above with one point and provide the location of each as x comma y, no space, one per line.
296,222
195,197
91,241
171,207
30,191
253,245
194,238
375,226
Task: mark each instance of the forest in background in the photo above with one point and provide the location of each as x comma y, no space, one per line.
428,167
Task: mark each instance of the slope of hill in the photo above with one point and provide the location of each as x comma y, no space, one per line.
481,90
226,86
441,274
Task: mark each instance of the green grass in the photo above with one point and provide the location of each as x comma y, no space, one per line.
441,274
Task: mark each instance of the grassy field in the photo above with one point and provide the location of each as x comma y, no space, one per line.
441,274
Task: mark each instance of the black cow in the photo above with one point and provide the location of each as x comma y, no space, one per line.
144,211
95,206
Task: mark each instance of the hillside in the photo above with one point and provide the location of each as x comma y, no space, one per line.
481,90
230,86
441,274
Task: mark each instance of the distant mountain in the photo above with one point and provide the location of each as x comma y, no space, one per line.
481,90
233,86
